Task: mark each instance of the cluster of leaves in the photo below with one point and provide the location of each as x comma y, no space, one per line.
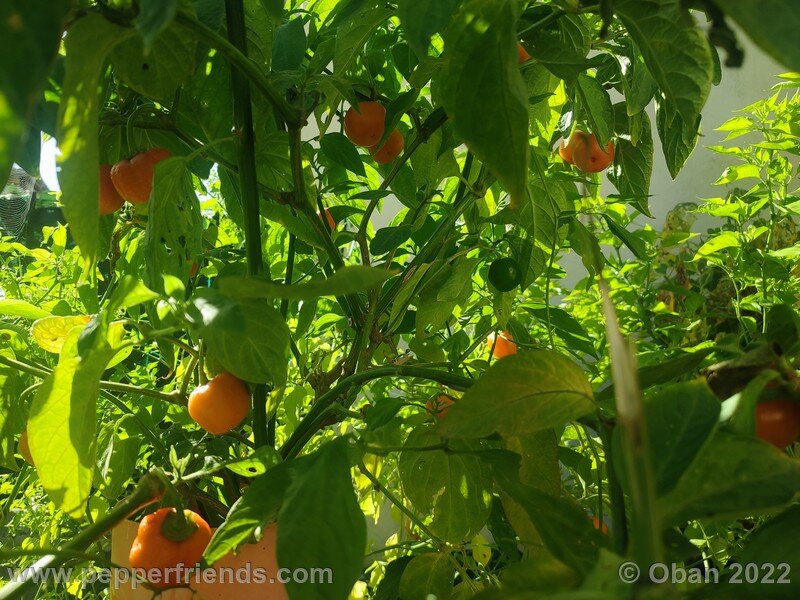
345,333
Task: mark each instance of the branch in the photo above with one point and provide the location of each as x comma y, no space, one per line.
243,65
316,416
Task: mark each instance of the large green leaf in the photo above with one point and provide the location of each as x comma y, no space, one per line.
680,418
674,49
733,476
562,47
120,442
258,505
173,237
159,72
61,427
422,18
347,280
246,337
772,24
12,307
596,102
562,524
679,58
426,576
154,16
455,488
31,34
633,160
322,510
521,394
353,34
88,42
483,92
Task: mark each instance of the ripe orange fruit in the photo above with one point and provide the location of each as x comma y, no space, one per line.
221,404
364,126
329,218
110,200
505,345
154,550
390,150
565,152
522,54
439,405
24,449
134,178
778,422
586,154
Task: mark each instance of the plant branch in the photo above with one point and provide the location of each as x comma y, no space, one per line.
316,416
242,64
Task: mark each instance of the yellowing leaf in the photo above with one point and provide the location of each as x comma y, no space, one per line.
51,332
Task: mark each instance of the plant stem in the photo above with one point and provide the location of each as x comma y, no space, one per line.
248,181
397,502
148,490
316,416
242,64
173,397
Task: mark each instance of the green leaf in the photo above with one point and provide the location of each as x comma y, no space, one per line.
771,24
633,162
562,524
562,48
31,34
289,46
455,488
678,136
597,104
130,292
347,280
422,18
733,476
679,420
157,73
321,509
154,16
585,243
389,587
117,460
88,42
258,463
274,8
173,236
487,103
246,337
521,394
341,151
258,505
726,239
389,238
426,576
11,307
633,243
61,426
674,49
353,34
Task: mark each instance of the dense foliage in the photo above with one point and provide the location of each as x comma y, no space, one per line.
307,271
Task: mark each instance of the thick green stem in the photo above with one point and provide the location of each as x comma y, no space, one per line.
316,416
242,64
248,181
149,489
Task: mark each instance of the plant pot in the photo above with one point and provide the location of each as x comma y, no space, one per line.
258,556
